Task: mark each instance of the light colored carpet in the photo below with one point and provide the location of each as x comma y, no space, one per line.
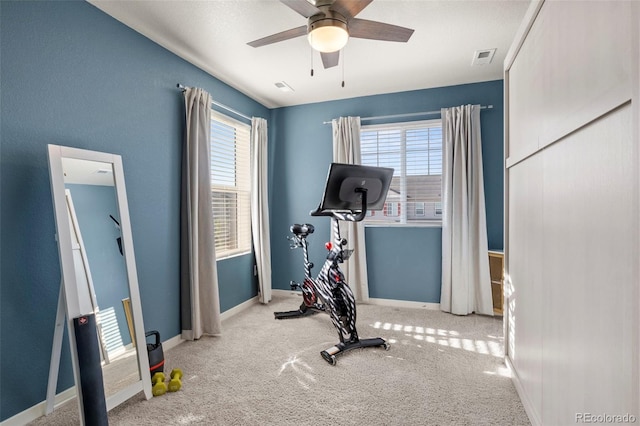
441,369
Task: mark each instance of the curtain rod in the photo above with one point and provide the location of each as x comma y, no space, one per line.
223,106
413,114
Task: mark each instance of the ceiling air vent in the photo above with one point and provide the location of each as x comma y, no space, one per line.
483,57
284,86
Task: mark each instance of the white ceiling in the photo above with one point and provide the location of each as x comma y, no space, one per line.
213,35
87,172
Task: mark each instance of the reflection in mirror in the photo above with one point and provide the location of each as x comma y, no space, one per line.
97,245
98,271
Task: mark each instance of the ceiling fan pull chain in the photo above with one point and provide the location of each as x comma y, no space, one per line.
311,50
343,61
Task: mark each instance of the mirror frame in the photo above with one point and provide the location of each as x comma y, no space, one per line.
69,284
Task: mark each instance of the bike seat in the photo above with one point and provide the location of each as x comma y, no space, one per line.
302,230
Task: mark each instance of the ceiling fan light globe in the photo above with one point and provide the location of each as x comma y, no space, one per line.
328,39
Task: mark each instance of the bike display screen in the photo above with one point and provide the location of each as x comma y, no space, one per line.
345,181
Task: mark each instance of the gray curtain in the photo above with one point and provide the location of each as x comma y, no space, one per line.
260,206
466,283
346,149
199,299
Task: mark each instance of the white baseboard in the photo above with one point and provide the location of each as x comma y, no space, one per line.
38,410
172,342
526,402
403,304
375,301
238,308
279,292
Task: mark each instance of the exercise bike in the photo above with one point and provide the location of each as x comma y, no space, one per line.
310,303
349,192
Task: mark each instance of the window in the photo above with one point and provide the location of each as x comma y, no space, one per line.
230,185
391,209
414,151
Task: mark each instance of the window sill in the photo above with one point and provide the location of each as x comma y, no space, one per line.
434,224
232,255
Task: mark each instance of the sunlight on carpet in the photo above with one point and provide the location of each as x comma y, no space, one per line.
301,369
500,371
443,337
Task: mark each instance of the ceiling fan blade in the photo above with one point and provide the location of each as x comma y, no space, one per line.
330,60
284,35
303,7
362,28
350,8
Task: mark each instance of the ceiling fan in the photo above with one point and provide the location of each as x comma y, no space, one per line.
330,23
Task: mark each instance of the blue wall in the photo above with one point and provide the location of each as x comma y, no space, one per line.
71,75
93,204
404,263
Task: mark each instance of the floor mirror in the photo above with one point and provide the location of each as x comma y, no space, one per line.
99,276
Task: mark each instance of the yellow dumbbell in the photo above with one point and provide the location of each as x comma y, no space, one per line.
175,383
159,386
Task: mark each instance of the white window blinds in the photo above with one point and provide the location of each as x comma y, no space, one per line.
230,185
414,151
